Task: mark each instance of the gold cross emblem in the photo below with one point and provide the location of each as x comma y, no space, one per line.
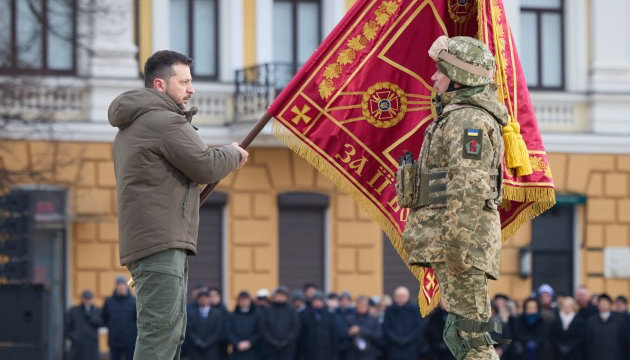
431,283
301,114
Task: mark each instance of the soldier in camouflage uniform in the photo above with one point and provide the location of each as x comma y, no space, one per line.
454,225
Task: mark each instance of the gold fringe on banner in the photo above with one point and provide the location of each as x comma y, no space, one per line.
528,213
333,174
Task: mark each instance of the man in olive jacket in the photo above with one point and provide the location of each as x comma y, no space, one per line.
159,161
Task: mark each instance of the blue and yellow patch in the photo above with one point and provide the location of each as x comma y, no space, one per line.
472,132
472,144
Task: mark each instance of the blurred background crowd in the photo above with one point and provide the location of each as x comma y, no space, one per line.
306,324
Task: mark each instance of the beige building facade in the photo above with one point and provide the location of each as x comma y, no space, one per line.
584,121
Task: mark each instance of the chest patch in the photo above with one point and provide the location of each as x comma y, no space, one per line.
472,144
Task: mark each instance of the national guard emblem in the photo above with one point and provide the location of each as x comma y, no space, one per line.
384,104
460,11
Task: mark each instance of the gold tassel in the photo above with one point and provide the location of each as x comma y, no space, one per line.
512,158
516,153
526,165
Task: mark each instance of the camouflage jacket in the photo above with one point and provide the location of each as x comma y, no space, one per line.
466,142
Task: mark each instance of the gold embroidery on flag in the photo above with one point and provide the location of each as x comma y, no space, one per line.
384,104
347,56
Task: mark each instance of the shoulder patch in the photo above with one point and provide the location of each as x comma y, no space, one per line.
473,139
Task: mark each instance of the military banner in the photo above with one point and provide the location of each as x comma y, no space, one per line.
364,97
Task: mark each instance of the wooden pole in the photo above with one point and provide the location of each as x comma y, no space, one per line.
258,127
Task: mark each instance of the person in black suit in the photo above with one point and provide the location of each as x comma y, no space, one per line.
568,332
402,328
241,329
583,298
206,329
606,333
119,315
279,327
317,339
364,333
82,328
530,337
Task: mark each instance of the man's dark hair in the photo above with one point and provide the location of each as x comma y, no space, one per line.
309,285
606,297
215,289
531,299
160,65
622,298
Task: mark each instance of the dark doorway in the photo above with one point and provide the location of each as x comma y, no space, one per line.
395,272
207,266
302,226
552,249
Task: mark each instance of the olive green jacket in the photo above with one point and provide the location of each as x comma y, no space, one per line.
159,160
466,142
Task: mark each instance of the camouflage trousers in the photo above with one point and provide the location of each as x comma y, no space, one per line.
466,296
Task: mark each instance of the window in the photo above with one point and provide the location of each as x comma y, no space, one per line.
194,31
552,249
542,43
302,218
207,267
37,36
395,272
296,30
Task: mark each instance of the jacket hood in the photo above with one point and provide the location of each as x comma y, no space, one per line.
481,96
127,107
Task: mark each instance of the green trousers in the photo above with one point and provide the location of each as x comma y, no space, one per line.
160,281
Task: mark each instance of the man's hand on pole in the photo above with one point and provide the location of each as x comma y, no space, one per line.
243,152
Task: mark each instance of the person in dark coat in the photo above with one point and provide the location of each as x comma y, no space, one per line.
363,333
606,333
568,332
206,329
402,328
216,302
241,329
433,334
317,339
191,307
119,315
342,314
530,334
82,328
583,298
279,327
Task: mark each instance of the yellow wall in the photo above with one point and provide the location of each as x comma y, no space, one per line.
249,33
145,29
355,241
253,226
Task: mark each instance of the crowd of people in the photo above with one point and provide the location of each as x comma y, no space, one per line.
310,325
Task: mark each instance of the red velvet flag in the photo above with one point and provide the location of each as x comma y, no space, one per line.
364,97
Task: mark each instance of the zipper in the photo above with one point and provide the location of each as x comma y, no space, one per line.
185,203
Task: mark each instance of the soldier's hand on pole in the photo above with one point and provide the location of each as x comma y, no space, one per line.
243,152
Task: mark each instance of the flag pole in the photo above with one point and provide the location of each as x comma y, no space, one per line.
258,127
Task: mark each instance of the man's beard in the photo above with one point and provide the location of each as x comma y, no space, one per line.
180,104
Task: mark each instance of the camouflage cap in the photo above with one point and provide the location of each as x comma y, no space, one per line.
465,60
